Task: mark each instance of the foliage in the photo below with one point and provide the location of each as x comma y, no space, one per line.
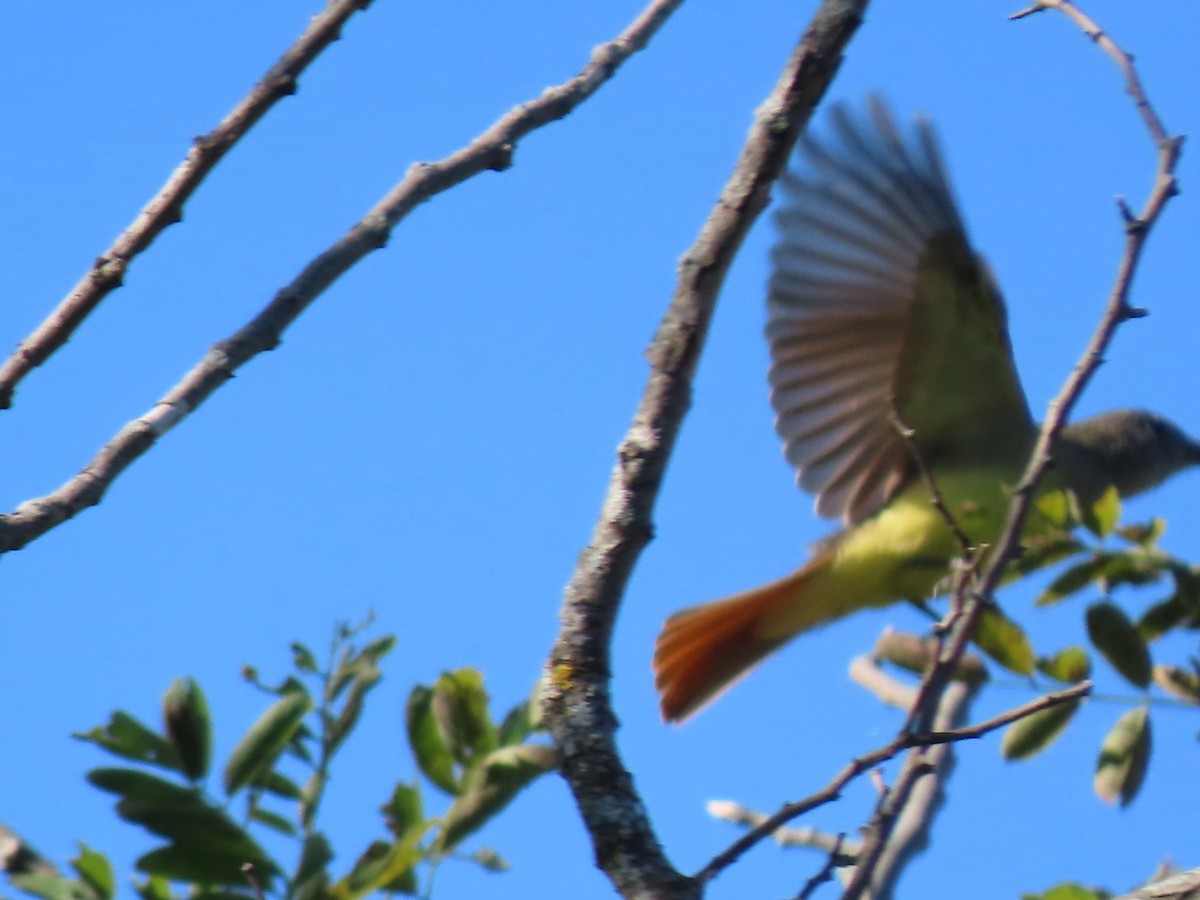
1122,640
206,849
1069,891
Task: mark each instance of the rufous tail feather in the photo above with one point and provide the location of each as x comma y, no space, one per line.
703,650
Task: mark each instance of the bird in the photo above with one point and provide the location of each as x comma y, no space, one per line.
891,367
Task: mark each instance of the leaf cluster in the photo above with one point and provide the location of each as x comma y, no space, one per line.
208,841
1123,641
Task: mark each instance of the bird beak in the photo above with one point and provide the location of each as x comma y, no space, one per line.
1193,452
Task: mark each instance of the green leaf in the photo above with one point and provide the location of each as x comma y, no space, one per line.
430,751
1161,618
490,860
1102,517
303,659
379,648
490,786
198,830
273,820
1187,585
50,886
126,737
1067,891
404,883
95,871
1072,580
1069,665
1124,756
155,888
1042,551
298,745
257,752
460,709
367,677
281,786
312,876
1034,733
384,867
1004,641
134,784
1118,642
1134,567
1180,610
180,814
1146,534
404,809
189,726
1058,508
517,724
178,862
1183,684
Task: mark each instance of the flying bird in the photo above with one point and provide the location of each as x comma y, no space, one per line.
890,353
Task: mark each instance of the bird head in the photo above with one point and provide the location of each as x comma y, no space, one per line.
1138,449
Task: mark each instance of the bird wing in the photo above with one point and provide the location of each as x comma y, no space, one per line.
880,316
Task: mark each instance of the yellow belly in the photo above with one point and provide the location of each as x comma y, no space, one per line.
906,550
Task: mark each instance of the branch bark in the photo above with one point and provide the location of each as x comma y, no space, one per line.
492,150
166,207
576,701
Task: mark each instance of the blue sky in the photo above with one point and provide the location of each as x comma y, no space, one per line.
433,438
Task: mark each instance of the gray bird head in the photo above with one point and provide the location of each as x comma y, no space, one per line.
1137,449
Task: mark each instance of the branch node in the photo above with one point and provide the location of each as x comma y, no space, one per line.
1028,11
1127,214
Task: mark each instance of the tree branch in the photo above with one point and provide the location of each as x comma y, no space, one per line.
576,702
766,826
166,208
493,150
912,831
1117,310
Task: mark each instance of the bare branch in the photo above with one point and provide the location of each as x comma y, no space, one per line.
1124,61
491,150
810,838
834,859
1117,310
765,826
911,833
576,702
978,730
1182,886
166,208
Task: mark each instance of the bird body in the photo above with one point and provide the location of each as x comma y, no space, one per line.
891,366
902,553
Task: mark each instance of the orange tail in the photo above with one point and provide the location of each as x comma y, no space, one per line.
704,649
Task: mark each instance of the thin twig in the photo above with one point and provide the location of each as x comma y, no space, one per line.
806,837
835,858
491,150
1180,886
576,704
978,730
913,828
905,740
166,208
907,435
1124,61
1116,311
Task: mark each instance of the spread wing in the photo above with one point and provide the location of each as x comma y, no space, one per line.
879,313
